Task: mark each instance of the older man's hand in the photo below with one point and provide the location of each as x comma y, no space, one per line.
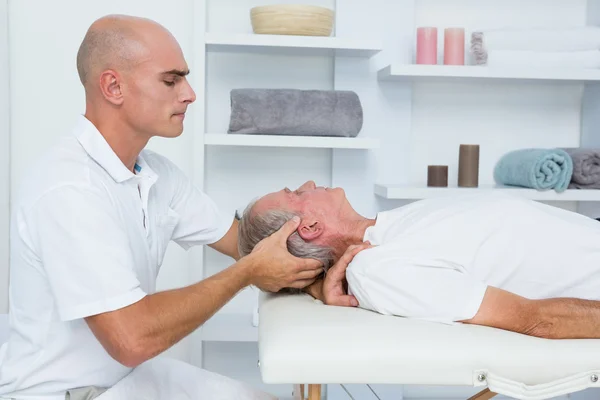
274,268
334,285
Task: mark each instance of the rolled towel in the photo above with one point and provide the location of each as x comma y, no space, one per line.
543,59
586,168
295,112
536,39
540,169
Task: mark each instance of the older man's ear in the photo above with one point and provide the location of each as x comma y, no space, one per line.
310,229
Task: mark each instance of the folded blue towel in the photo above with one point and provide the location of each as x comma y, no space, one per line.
540,169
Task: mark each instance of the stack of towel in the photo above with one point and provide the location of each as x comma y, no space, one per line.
561,47
586,168
545,169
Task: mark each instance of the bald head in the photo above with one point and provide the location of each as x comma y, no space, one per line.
115,42
134,74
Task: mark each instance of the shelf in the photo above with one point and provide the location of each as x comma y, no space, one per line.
288,44
454,73
412,192
229,327
221,139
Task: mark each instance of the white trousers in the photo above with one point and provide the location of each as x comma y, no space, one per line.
163,378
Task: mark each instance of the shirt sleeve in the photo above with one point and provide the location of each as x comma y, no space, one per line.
201,221
84,252
434,290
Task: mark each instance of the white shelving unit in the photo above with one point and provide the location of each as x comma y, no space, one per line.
286,44
455,73
414,192
218,139
232,327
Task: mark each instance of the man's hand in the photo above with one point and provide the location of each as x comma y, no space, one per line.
274,268
334,290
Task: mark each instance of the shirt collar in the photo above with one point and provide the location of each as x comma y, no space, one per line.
100,151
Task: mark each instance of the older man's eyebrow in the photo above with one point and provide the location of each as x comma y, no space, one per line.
177,72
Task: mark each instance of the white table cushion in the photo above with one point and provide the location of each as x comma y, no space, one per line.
301,340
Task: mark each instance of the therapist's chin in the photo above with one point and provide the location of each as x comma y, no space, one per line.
171,130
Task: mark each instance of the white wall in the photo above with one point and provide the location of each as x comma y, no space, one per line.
4,156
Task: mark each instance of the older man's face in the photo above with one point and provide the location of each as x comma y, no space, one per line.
309,200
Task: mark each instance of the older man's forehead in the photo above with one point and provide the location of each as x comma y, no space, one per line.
270,201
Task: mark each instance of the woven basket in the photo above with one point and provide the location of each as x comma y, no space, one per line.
289,19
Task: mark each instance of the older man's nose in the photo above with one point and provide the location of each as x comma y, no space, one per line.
308,185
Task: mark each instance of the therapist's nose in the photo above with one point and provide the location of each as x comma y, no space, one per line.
187,94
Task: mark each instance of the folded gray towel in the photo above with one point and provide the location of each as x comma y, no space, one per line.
586,168
295,112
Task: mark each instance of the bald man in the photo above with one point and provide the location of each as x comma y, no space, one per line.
90,229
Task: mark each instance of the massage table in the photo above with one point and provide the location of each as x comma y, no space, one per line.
302,341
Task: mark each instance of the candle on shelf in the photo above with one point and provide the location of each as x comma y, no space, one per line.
468,165
437,175
454,46
427,45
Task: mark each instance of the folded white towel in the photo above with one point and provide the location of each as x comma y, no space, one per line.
540,39
571,59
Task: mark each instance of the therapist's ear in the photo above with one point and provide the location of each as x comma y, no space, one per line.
310,229
110,86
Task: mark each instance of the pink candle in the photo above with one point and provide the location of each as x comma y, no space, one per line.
427,45
454,46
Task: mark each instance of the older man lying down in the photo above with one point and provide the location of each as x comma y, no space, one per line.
488,259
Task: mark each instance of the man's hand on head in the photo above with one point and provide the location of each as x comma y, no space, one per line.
274,268
334,285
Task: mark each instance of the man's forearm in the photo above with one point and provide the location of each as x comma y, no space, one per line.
566,318
165,318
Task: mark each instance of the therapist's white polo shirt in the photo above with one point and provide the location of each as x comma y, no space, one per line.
89,236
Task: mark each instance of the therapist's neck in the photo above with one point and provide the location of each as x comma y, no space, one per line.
351,232
124,141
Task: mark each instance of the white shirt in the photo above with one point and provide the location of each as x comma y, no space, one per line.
89,236
435,258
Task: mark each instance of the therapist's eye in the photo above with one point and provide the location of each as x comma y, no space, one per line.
169,83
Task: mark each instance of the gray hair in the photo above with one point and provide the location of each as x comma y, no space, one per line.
254,227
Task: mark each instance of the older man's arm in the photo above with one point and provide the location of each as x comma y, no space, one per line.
558,318
333,288
315,289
